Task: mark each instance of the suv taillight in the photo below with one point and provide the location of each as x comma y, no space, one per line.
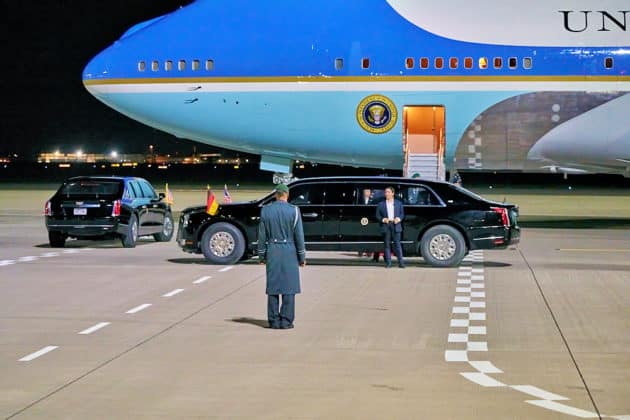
48,209
116,208
504,215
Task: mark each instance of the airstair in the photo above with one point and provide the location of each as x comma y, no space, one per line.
424,143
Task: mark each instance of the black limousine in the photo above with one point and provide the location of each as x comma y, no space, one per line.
442,223
94,207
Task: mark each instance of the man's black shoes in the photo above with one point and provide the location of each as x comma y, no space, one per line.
286,327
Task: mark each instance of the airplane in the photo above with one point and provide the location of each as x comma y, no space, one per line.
536,86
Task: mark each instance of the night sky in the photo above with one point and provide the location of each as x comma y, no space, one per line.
45,46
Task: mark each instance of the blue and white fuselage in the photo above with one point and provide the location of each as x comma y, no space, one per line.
283,79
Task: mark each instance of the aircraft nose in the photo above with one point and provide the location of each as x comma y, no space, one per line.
98,67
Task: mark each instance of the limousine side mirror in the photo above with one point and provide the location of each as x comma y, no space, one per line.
162,196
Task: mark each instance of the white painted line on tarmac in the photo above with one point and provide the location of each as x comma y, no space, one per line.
223,270
49,254
477,270
477,316
485,367
462,281
7,262
461,309
477,304
477,330
94,328
565,409
202,279
173,293
38,353
458,338
477,285
482,379
478,294
70,251
477,346
456,355
538,393
28,258
460,323
139,308
477,277
462,290
464,299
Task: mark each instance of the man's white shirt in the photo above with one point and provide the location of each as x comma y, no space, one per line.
390,209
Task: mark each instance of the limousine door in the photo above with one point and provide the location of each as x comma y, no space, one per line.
358,227
309,198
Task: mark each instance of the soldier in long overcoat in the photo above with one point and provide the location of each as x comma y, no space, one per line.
281,248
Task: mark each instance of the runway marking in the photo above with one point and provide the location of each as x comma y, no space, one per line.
94,328
31,258
173,293
38,353
138,308
202,279
593,250
223,270
473,279
49,254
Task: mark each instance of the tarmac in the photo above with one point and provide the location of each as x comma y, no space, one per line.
96,331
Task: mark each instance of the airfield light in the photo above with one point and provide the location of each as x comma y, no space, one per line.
114,154
57,152
79,153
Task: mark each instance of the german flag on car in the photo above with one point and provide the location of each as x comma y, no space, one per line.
212,206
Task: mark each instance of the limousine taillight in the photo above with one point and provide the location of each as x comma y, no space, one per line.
503,212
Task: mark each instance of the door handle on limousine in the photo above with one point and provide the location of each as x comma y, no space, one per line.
310,215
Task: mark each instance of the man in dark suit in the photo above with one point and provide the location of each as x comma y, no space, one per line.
390,214
281,249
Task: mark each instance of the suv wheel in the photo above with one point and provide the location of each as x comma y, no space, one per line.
130,238
56,239
443,246
223,243
167,229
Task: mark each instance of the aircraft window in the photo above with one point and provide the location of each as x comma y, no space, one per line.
410,63
513,62
424,63
195,65
468,62
338,63
142,66
483,63
155,66
438,62
453,62
527,63
181,65
209,65
498,62
609,62
168,65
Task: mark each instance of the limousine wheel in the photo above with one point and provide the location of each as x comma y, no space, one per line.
56,239
167,229
223,243
130,238
443,246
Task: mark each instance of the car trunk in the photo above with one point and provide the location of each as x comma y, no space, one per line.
86,200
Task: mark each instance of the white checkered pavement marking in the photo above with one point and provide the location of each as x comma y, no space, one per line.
467,329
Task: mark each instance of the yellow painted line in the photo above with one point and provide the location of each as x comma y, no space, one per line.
593,250
345,79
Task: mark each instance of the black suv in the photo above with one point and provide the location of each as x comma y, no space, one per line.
106,207
442,223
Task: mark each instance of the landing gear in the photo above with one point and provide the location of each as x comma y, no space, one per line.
280,178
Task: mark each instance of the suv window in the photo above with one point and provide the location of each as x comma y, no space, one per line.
416,195
147,190
92,187
308,194
339,194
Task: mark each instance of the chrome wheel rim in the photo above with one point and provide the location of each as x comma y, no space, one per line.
442,247
134,231
168,227
222,244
